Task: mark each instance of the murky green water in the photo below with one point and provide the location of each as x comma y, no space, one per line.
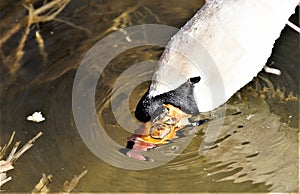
257,148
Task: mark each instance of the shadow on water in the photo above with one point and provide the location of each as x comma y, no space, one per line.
257,149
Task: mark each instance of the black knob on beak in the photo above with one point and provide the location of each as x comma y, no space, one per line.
182,97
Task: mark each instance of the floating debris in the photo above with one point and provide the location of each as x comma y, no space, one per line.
272,70
36,117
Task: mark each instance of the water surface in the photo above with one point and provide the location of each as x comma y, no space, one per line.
256,151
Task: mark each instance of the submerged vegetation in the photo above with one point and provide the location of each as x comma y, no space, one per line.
47,12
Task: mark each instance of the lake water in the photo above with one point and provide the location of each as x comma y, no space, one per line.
257,149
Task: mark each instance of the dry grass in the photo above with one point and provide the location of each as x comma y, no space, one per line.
7,164
69,186
44,183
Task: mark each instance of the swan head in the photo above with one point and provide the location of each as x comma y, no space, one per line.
182,97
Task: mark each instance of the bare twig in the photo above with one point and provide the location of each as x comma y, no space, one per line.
45,181
28,145
55,6
4,149
43,185
13,151
69,186
88,32
4,180
6,165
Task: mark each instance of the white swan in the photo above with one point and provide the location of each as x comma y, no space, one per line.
226,43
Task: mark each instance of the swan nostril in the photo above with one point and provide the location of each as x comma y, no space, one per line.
194,80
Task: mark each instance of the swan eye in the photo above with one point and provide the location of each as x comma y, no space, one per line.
194,80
